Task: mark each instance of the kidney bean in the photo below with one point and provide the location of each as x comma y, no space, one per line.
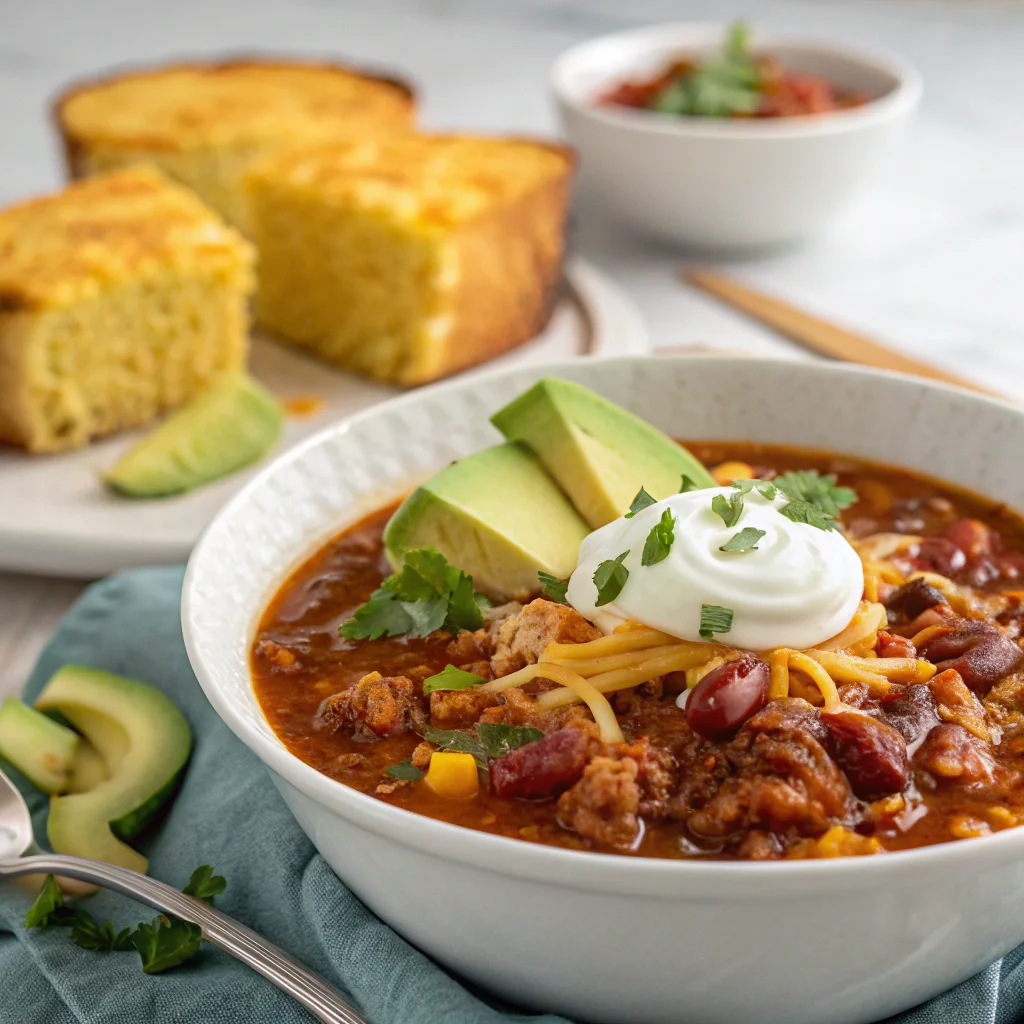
891,645
727,696
542,768
915,597
977,650
973,538
938,554
910,711
872,755
951,752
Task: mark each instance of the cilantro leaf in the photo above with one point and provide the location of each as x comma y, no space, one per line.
87,934
659,540
457,740
811,486
714,619
45,910
745,540
406,771
806,512
610,578
451,678
426,595
166,942
686,484
764,487
640,502
727,509
204,884
552,587
498,739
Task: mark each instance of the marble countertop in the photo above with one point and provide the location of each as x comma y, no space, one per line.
931,258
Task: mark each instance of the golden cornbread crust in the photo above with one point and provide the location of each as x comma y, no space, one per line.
410,257
203,123
120,297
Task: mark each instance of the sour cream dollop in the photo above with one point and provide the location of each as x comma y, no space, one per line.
799,587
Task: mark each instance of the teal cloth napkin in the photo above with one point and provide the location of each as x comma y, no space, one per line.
229,815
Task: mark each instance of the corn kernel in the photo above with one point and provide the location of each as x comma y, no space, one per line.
726,472
453,775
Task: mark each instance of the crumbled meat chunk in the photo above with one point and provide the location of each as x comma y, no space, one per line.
280,657
603,806
521,639
956,703
388,786
951,752
374,707
469,646
1004,705
345,762
784,779
515,707
458,709
759,845
543,768
420,757
478,668
977,650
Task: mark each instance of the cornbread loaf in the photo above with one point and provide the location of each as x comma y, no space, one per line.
409,257
120,297
204,123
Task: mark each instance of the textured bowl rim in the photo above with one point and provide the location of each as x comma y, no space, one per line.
900,100
624,874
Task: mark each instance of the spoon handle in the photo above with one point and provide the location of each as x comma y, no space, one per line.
323,1001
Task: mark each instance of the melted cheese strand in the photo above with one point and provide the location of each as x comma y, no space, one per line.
869,618
819,677
594,699
779,663
614,643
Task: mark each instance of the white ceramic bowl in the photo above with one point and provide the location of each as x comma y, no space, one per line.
600,937
726,184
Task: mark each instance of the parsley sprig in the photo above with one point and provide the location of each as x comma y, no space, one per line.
426,595
728,510
714,619
745,540
639,503
609,578
162,943
451,678
763,487
659,540
686,485
492,739
552,587
817,489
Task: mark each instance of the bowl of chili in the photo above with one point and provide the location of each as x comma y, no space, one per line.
705,137
637,933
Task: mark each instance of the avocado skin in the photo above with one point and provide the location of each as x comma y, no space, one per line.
599,453
230,425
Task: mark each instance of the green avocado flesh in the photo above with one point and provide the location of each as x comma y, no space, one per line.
496,515
40,748
231,424
144,743
600,454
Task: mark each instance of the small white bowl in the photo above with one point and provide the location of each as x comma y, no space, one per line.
616,938
726,184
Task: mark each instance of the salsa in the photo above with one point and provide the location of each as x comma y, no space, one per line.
902,765
735,84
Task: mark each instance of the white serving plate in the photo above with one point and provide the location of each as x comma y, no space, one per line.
57,519
611,938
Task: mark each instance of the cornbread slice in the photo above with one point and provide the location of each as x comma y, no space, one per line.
120,297
204,123
409,257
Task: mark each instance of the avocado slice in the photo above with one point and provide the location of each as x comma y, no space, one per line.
88,769
496,515
600,454
144,742
41,749
231,424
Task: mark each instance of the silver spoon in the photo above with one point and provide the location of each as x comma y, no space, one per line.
16,839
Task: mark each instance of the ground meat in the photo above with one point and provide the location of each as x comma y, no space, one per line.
1004,705
783,781
543,768
374,707
421,755
759,845
521,639
478,668
469,646
280,657
930,617
977,650
459,709
388,786
951,752
515,707
603,806
956,703
345,762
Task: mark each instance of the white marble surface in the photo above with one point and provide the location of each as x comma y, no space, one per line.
931,258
